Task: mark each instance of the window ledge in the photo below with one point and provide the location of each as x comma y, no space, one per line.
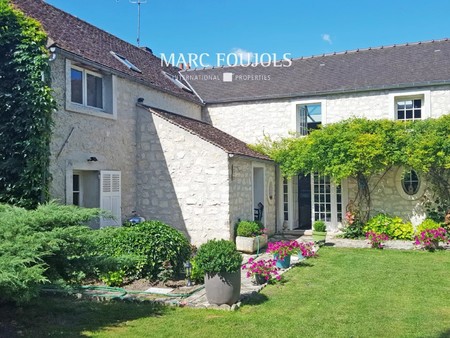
77,108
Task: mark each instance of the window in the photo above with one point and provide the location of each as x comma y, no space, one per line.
327,200
410,186
86,88
285,199
410,182
409,109
177,82
125,61
309,117
76,190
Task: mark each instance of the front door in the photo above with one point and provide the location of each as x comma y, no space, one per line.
304,202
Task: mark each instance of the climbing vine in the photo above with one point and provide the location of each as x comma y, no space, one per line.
365,149
26,109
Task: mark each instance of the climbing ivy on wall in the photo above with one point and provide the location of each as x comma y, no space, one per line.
362,149
26,106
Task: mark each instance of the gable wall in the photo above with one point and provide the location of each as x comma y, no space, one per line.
182,180
112,140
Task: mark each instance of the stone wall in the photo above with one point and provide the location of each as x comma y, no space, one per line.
250,121
387,197
183,180
111,138
241,191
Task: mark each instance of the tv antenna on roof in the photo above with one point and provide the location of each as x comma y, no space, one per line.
138,2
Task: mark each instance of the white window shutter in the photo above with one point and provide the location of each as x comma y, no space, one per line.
110,197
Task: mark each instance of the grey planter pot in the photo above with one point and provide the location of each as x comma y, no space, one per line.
223,288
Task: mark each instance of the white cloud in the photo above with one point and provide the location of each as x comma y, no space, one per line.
327,38
244,56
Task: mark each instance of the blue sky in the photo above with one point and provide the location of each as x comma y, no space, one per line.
298,27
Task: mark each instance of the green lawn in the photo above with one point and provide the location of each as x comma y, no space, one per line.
343,293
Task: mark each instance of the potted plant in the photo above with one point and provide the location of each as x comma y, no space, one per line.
263,270
250,236
319,231
222,265
282,252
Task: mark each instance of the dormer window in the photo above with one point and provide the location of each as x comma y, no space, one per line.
125,61
177,82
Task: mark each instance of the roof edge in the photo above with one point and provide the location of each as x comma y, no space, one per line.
331,92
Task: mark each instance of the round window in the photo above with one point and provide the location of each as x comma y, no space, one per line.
410,182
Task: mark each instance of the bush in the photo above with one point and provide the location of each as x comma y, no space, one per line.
216,256
320,226
35,250
391,226
427,224
151,243
249,228
354,230
197,274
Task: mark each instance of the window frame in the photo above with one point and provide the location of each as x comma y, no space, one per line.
85,72
295,112
413,109
399,175
109,90
424,95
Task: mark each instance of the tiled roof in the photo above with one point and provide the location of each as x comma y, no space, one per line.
207,132
401,66
93,44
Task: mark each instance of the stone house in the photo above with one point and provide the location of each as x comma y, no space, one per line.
134,134
400,82
111,151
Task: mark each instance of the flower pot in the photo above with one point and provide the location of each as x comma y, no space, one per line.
250,244
319,236
260,279
283,263
223,288
300,257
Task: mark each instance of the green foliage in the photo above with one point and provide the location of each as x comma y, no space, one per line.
114,278
33,250
320,226
391,226
197,274
27,105
354,230
427,224
249,228
360,148
151,243
217,256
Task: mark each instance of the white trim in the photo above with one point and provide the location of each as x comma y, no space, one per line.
425,95
295,103
264,202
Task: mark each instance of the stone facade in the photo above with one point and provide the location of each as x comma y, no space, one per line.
79,134
251,121
241,191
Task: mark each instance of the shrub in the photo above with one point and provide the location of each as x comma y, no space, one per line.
249,228
216,256
427,224
34,249
429,238
151,243
319,226
354,230
393,227
197,274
